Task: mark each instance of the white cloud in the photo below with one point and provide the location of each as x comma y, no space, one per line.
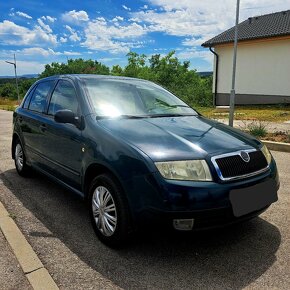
12,12
22,14
201,19
49,18
161,49
103,36
117,18
74,37
63,39
32,52
39,52
101,19
109,59
196,41
45,27
75,16
71,53
201,60
193,53
13,34
73,34
183,22
126,8
23,67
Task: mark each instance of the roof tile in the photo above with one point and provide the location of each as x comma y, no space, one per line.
264,26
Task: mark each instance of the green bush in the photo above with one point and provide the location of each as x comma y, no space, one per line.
258,129
8,90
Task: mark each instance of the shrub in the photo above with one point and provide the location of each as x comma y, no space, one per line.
257,129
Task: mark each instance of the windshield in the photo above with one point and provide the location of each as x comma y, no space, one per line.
133,98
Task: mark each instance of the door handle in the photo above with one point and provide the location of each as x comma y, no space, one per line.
42,127
20,119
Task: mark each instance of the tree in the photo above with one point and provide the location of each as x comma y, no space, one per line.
116,70
166,70
75,66
8,90
170,73
135,64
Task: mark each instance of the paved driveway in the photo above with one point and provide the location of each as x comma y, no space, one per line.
55,222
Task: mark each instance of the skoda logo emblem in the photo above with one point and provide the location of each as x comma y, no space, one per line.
245,156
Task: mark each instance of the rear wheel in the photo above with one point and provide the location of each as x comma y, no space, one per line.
20,160
109,211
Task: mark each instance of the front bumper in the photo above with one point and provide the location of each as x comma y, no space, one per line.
202,220
162,201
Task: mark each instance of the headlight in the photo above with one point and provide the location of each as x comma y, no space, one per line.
196,170
267,154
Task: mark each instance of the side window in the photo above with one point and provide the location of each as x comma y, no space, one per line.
63,98
27,99
38,98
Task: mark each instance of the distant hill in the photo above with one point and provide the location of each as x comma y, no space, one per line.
205,73
27,76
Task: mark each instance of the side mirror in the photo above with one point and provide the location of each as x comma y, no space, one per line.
66,116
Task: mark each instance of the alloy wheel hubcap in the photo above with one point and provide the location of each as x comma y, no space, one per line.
104,211
19,156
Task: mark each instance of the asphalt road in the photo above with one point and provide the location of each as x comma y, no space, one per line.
55,222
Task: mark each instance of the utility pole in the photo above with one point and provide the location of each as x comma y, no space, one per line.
233,93
16,80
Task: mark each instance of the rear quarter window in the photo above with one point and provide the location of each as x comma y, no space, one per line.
38,99
27,98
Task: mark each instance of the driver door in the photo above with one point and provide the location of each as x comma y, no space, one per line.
64,141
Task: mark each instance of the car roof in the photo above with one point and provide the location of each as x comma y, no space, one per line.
90,76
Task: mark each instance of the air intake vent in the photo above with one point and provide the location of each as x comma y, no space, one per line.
240,164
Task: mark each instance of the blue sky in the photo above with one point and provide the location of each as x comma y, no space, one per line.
41,32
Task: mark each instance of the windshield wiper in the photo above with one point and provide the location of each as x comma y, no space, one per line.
144,116
123,117
133,116
170,115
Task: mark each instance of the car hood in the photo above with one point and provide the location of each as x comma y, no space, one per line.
179,138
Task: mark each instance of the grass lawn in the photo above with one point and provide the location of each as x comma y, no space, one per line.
260,113
7,104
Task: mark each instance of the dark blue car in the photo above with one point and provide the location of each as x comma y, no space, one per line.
140,155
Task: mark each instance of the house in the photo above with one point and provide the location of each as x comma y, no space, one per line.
263,61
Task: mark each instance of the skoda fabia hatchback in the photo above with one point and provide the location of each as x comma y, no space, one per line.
140,155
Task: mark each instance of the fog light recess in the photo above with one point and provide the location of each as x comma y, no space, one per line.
183,224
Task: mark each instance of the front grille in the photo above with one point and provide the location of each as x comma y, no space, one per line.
234,166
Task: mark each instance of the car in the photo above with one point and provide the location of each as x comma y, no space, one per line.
140,156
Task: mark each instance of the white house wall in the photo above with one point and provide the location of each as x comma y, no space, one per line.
263,68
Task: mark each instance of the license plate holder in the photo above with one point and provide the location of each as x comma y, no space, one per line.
253,198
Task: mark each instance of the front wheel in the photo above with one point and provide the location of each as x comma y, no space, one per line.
20,160
109,211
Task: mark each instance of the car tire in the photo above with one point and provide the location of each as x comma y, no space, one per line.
109,211
20,160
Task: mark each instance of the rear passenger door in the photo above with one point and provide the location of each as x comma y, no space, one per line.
31,119
63,142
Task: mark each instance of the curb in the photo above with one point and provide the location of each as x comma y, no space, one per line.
277,146
31,265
